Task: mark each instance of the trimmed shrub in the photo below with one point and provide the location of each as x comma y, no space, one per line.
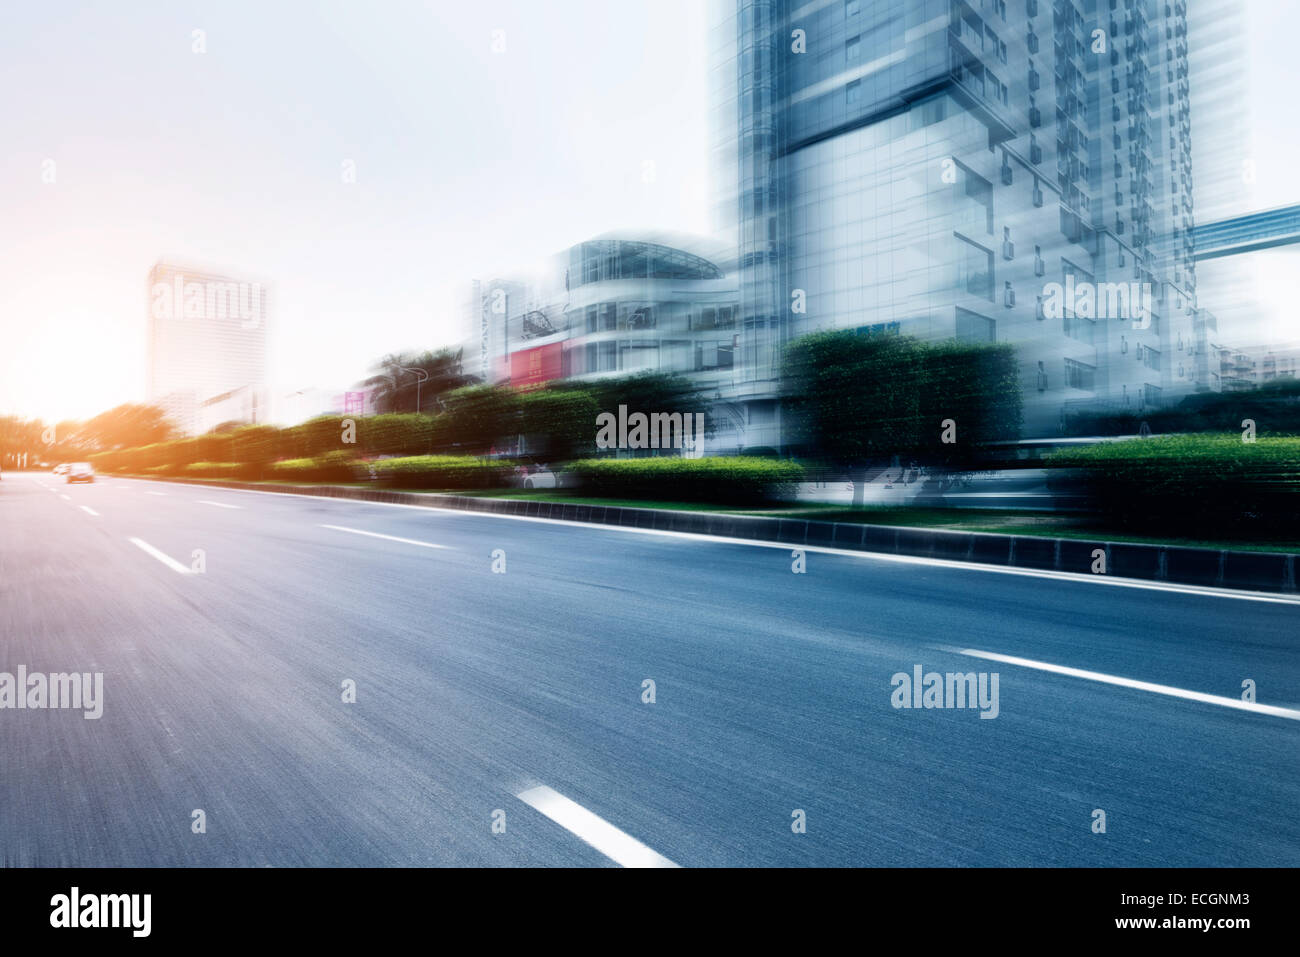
441,471
314,437
722,479
331,467
1192,482
395,434
217,470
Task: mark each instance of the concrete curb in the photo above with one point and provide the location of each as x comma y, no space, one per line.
1221,568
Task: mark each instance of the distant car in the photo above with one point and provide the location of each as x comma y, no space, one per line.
61,468
80,472
533,475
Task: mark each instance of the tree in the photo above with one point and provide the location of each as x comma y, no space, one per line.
852,400
397,389
976,388
650,392
126,426
18,438
559,423
477,417
855,402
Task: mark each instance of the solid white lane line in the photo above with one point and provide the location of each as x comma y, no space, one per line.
88,510
204,501
66,498
1082,577
165,559
157,493
391,538
605,837
1200,696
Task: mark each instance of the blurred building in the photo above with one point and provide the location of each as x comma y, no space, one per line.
1235,369
932,166
206,347
1278,363
617,305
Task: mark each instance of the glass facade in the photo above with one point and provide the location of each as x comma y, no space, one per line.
938,165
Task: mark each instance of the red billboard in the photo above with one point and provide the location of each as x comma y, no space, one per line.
530,368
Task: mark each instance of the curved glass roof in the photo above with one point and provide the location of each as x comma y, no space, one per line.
600,260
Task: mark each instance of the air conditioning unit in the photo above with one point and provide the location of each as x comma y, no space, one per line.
1038,196
1035,153
1006,175
1009,297
1040,266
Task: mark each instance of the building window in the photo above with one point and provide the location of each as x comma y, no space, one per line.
852,48
853,91
1080,376
851,7
973,195
974,269
972,327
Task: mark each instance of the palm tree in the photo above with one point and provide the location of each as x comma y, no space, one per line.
404,379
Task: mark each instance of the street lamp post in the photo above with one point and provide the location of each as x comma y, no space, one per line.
424,376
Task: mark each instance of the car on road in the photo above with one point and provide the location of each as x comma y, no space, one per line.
80,472
534,475
61,468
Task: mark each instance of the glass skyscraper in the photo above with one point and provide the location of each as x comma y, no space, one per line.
950,168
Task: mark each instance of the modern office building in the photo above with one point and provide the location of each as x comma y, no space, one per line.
617,305
206,347
943,168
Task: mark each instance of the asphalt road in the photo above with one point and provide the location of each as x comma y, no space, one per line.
223,692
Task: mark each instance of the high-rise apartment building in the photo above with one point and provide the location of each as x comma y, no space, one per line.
207,347
991,170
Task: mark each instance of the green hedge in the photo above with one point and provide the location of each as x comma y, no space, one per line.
441,471
723,479
216,470
331,467
1191,482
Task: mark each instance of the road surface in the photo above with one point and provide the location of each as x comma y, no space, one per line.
518,698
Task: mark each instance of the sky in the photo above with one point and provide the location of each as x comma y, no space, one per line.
468,161
475,152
